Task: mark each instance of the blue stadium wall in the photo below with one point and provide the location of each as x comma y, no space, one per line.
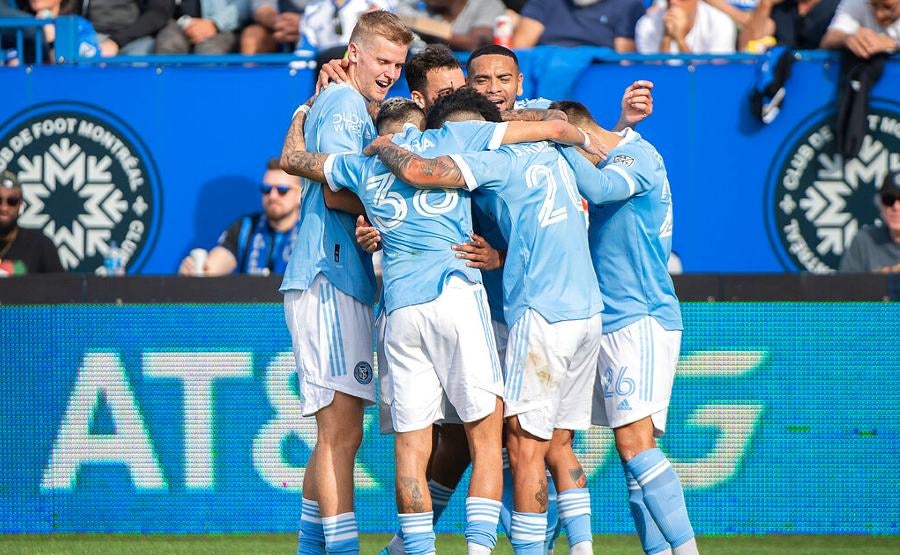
162,158
185,418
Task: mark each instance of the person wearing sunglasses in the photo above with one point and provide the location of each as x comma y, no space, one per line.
258,243
876,248
22,250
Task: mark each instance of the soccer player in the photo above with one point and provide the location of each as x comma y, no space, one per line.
329,283
631,238
438,341
552,299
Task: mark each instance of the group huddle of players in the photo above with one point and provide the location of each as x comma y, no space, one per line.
524,296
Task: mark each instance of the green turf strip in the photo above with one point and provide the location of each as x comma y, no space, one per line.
447,544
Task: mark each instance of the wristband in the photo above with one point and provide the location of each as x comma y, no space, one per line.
302,108
587,139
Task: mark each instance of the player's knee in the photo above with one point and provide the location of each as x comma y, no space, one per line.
631,441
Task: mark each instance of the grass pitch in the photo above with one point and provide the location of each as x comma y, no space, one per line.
449,544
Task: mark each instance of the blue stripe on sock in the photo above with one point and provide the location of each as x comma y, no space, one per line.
418,532
482,516
663,495
528,532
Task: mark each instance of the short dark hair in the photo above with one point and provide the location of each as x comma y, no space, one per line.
435,56
576,112
464,99
490,50
273,164
397,109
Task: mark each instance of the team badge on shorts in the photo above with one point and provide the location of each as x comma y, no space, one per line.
363,372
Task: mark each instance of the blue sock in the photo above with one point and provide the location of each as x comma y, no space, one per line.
440,498
482,515
651,537
341,535
528,532
418,532
575,514
553,524
663,495
312,537
506,508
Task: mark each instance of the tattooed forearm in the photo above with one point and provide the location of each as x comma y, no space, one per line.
532,114
409,495
542,496
305,164
418,171
577,475
294,142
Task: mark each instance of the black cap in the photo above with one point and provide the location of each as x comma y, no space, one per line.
891,184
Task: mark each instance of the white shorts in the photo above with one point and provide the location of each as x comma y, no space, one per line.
635,374
331,334
550,370
442,350
385,388
500,334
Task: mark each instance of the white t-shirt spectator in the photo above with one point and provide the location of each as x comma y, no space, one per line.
853,14
322,20
713,32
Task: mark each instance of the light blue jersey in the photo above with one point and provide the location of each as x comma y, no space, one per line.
630,232
418,227
532,104
326,244
548,265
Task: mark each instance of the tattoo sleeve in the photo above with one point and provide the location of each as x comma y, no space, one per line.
294,158
418,171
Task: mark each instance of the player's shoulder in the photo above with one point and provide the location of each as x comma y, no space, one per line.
340,94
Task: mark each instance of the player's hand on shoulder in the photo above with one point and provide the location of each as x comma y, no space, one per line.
596,147
380,141
334,71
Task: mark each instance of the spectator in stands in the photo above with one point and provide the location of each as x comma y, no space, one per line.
126,26
876,248
865,27
686,27
327,24
460,24
276,26
203,27
608,23
258,243
86,37
22,250
799,24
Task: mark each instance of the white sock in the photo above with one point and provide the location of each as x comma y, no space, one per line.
687,548
478,549
582,548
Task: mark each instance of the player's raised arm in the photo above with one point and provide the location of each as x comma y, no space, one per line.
433,173
558,131
637,104
295,160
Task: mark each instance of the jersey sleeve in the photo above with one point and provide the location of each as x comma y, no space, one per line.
613,182
343,171
341,122
476,135
483,170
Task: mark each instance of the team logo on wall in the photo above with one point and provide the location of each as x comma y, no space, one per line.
816,200
87,182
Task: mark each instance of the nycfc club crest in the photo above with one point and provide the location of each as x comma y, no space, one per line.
816,201
87,181
363,372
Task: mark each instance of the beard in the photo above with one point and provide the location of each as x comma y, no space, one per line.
6,228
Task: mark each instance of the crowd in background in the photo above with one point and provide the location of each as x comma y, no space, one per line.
322,27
